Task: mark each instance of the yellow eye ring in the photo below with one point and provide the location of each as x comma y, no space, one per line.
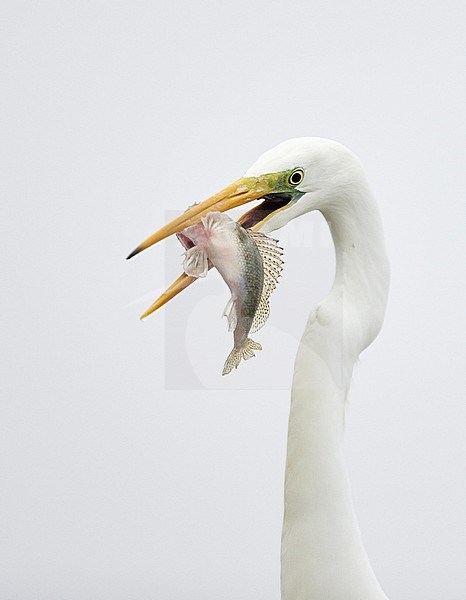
296,177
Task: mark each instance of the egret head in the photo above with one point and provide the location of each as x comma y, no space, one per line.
319,170
291,179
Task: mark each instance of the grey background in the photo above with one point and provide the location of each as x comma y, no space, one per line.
129,468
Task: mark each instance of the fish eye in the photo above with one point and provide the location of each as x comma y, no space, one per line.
296,177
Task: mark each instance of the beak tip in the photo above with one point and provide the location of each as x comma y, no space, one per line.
133,253
148,312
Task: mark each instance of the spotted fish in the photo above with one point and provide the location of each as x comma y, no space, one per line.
250,264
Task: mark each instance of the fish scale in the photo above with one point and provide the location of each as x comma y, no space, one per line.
249,262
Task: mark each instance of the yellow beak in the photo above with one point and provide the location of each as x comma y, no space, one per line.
175,288
242,191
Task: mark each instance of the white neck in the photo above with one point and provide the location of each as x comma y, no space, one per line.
323,557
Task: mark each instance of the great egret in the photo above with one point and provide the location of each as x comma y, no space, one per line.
322,554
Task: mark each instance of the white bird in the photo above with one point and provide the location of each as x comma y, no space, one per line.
322,554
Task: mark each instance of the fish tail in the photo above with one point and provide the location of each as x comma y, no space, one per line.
245,352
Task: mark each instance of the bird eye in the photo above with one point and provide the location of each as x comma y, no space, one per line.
296,177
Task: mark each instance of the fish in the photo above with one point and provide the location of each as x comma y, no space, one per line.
249,262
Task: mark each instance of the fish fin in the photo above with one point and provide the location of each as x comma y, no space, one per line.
230,314
217,221
272,261
195,262
245,352
261,316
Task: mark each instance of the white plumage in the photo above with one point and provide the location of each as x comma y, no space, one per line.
323,557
